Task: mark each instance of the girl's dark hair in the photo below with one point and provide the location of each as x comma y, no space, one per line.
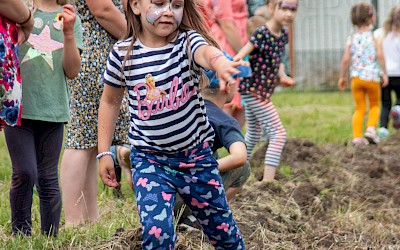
362,13
392,23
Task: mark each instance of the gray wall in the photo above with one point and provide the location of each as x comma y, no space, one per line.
320,33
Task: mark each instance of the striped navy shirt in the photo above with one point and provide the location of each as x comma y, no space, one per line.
167,110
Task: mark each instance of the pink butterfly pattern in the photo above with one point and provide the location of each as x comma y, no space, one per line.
196,178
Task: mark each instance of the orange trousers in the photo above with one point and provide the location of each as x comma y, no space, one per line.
362,89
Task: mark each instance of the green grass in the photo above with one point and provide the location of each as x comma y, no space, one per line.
320,117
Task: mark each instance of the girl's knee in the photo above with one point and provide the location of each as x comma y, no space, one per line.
23,178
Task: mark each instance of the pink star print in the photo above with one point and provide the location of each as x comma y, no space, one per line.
42,45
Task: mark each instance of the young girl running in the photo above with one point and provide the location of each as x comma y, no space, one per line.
49,56
265,47
364,55
169,132
391,50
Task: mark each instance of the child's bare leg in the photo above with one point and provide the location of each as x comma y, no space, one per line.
269,173
123,154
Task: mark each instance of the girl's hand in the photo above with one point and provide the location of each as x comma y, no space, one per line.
225,69
287,81
68,17
342,83
23,34
25,30
106,171
385,81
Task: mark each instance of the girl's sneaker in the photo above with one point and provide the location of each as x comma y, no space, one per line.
383,132
360,141
371,135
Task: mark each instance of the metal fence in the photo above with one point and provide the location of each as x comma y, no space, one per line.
320,32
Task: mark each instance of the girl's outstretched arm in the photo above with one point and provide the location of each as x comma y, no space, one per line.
243,52
108,16
381,60
344,68
110,104
209,57
71,57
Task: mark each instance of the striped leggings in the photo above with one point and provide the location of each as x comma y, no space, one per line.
263,116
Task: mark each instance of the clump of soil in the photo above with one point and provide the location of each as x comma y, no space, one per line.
331,196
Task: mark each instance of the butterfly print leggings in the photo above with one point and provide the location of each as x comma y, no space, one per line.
194,175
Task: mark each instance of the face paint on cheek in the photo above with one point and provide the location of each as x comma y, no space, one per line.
289,6
154,13
178,15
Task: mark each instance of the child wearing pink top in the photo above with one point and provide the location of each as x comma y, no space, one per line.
228,22
228,19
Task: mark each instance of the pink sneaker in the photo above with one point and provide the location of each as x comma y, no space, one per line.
371,135
360,141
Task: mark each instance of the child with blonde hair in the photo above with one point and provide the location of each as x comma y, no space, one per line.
391,50
364,55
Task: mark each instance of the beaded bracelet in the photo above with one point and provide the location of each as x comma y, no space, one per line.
27,20
103,154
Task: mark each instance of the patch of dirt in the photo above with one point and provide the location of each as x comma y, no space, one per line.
328,197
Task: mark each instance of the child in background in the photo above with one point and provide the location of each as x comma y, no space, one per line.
48,58
364,55
265,49
228,20
170,135
391,50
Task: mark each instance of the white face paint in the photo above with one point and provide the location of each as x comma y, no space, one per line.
159,7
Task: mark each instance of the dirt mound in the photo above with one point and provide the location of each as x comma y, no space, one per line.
326,197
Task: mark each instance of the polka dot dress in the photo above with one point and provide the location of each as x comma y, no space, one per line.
264,60
87,88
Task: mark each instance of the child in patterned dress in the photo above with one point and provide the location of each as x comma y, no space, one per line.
364,55
265,49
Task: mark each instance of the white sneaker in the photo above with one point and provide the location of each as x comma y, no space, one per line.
360,141
383,132
371,135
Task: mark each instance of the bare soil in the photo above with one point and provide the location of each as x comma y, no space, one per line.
325,197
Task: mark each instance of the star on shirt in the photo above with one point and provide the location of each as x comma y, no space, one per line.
42,45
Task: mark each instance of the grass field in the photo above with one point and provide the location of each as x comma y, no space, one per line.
323,118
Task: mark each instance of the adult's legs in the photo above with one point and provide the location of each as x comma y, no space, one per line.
90,189
79,190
